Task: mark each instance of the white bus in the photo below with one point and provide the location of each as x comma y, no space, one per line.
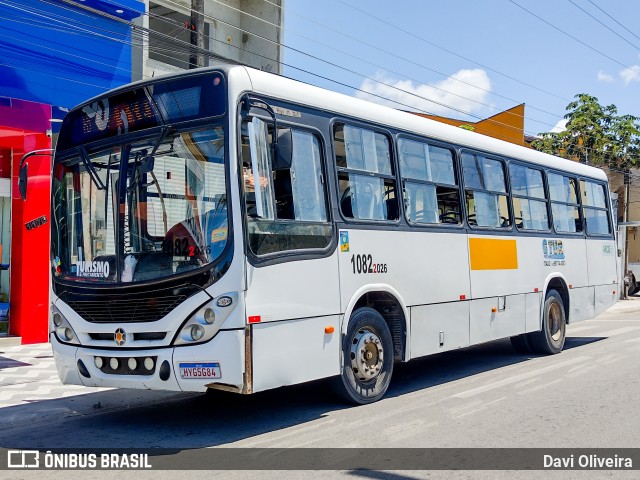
231,229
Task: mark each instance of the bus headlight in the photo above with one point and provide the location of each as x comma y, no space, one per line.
209,315
205,323
197,332
62,328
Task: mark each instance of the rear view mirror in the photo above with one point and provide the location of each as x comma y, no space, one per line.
284,150
147,163
22,180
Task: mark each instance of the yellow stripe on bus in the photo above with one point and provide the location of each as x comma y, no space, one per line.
493,254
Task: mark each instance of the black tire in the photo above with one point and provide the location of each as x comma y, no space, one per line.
633,286
365,379
521,344
550,340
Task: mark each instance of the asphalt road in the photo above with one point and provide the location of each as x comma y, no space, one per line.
483,396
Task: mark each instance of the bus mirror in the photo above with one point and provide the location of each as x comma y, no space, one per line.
284,150
22,180
146,164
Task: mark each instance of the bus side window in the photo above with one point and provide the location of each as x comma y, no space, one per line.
529,199
365,175
285,201
485,191
564,203
594,207
430,189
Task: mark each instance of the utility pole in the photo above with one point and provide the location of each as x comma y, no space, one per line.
627,178
196,56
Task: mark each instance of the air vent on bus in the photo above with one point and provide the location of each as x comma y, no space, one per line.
145,306
149,336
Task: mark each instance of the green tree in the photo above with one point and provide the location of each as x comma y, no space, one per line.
595,134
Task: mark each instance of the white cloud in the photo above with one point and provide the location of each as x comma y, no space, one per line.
631,74
560,126
605,77
450,92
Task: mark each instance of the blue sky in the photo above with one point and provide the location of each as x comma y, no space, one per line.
510,56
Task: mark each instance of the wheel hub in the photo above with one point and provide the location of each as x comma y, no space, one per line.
367,355
555,322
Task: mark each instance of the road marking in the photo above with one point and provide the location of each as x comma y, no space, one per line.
526,382
580,370
539,387
579,329
517,378
614,320
617,331
484,406
632,340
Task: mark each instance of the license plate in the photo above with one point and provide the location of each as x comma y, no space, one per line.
200,370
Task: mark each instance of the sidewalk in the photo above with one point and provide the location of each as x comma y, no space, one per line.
28,374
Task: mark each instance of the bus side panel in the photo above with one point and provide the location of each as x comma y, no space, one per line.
582,304
495,271
293,289
605,297
422,267
603,273
438,328
295,351
602,262
497,317
533,305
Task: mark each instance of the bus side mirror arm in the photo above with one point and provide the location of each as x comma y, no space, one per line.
23,170
252,102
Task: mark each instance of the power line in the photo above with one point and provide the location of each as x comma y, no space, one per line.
599,8
333,64
208,53
569,35
422,39
397,56
603,24
147,31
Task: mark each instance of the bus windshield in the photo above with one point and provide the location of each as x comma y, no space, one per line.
140,211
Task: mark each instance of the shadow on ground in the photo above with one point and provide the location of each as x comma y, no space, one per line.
186,421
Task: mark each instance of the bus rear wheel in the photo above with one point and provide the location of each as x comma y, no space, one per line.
367,353
550,340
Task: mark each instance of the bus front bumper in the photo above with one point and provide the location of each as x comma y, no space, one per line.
190,368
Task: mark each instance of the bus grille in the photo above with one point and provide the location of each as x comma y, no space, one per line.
127,309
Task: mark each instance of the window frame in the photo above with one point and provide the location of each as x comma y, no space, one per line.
456,173
393,157
606,208
546,200
507,193
285,255
574,177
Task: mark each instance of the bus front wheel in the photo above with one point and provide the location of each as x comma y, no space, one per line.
550,339
367,353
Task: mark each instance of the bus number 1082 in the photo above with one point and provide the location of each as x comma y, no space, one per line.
364,264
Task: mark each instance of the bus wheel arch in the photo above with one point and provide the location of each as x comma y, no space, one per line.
386,301
559,284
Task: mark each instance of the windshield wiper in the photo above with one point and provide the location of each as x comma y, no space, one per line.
92,171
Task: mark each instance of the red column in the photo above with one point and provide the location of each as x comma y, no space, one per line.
29,263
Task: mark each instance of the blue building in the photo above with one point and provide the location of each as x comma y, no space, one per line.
60,52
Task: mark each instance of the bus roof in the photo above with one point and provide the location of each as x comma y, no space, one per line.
299,92
302,93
